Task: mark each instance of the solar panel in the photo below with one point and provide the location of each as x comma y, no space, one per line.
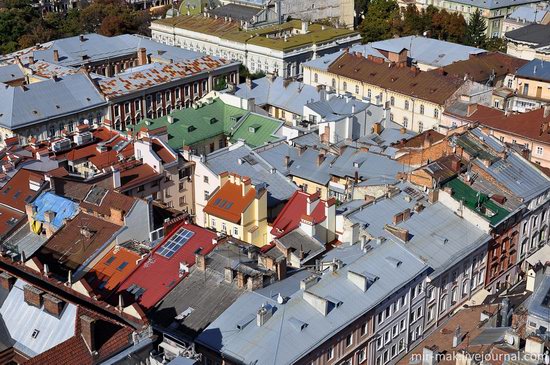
175,242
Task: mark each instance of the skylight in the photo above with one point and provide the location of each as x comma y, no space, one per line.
175,242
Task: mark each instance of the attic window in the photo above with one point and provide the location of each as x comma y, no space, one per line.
35,333
35,111
213,120
58,107
254,128
191,128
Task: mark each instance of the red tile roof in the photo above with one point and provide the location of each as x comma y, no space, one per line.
111,199
479,67
162,151
293,211
8,219
110,336
531,125
434,85
135,173
418,140
158,275
17,191
228,202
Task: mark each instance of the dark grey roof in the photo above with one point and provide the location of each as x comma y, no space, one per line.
298,240
536,34
539,304
536,69
235,11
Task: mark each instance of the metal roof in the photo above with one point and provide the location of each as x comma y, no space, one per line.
494,4
539,301
22,106
10,73
535,69
280,341
528,14
242,160
339,107
22,320
290,96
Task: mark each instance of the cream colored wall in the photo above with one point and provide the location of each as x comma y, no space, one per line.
519,84
542,159
311,187
525,52
368,91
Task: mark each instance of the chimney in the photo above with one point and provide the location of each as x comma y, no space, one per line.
429,356
305,27
81,37
455,165
31,60
256,282
308,282
249,82
377,128
55,55
546,111
49,216
406,214
504,313
287,161
263,314
200,261
228,275
6,281
32,295
534,345
403,130
241,280
116,178
53,305
142,56
397,218
87,330
433,196
117,215
472,108
320,159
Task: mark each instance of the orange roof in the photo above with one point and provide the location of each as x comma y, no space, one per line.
134,173
165,155
8,219
113,269
228,203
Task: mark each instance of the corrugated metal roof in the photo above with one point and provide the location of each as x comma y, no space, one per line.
22,320
10,73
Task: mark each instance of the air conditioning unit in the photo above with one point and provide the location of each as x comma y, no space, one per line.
83,138
60,145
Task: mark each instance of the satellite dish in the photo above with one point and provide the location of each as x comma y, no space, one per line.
280,299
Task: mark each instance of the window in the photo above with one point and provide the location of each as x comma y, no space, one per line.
525,89
395,330
349,340
421,109
235,231
364,329
387,337
205,179
401,346
539,151
345,86
392,101
402,325
431,313
436,113
330,353
394,351
357,89
206,194
361,355
182,200
334,83
405,122
497,104
369,93
316,77
420,127
406,105
391,117
224,227
213,222
509,83
379,343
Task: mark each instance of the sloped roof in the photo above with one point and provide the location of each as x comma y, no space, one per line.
256,130
229,203
30,104
101,200
535,69
537,35
480,67
430,85
157,275
17,191
49,202
10,73
289,218
241,159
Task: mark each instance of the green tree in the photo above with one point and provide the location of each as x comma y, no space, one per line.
380,21
495,44
475,30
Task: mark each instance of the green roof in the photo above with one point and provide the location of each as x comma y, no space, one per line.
317,33
191,125
477,201
256,130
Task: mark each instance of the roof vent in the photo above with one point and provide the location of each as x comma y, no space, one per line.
308,282
264,314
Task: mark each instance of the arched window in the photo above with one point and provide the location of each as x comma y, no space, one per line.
421,109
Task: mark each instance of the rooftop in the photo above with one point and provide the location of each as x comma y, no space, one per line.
296,327
485,66
49,202
432,85
494,4
21,189
288,95
241,159
231,31
167,265
101,200
212,118
33,103
536,35
539,303
10,73
230,201
78,242
535,69
155,74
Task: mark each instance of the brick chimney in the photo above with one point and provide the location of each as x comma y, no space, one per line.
241,280
433,196
228,275
117,215
87,330
377,128
55,55
320,159
200,261
33,296
7,281
142,56
53,305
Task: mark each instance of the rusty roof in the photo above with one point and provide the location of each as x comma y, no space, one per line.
480,67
